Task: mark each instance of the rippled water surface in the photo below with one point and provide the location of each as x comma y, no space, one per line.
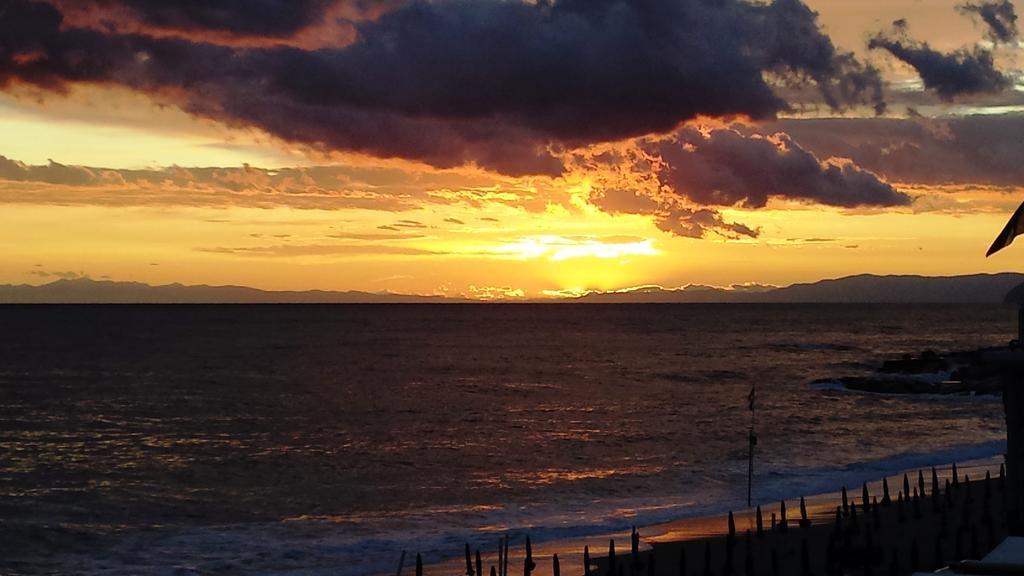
285,439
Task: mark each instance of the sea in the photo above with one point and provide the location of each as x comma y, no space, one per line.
309,440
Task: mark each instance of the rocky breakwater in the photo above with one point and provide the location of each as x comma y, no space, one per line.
962,373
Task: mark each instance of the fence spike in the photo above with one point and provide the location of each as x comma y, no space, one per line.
611,557
634,549
900,508
528,564
636,564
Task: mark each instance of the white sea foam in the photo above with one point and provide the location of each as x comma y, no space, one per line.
359,546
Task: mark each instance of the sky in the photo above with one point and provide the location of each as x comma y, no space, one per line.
505,149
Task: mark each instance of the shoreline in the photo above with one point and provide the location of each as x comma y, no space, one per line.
688,529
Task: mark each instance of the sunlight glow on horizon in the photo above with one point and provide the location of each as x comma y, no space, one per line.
559,248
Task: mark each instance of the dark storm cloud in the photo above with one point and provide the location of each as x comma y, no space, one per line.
680,179
725,168
981,150
577,70
999,15
964,71
273,18
504,84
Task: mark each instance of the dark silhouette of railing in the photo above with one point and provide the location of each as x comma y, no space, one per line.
917,530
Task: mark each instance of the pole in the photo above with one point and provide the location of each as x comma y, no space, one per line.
1013,408
750,474
1020,326
752,441
750,470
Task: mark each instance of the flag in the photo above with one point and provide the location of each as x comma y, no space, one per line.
1014,228
750,398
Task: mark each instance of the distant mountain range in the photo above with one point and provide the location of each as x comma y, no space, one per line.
865,288
977,288
88,291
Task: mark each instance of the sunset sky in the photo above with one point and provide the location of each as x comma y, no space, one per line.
506,148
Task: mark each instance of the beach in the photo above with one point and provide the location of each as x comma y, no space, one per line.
689,538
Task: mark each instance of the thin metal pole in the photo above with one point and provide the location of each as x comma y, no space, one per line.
1020,326
751,440
750,471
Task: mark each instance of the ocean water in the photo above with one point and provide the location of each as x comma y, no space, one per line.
327,439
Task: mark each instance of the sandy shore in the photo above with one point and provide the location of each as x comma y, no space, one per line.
876,536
